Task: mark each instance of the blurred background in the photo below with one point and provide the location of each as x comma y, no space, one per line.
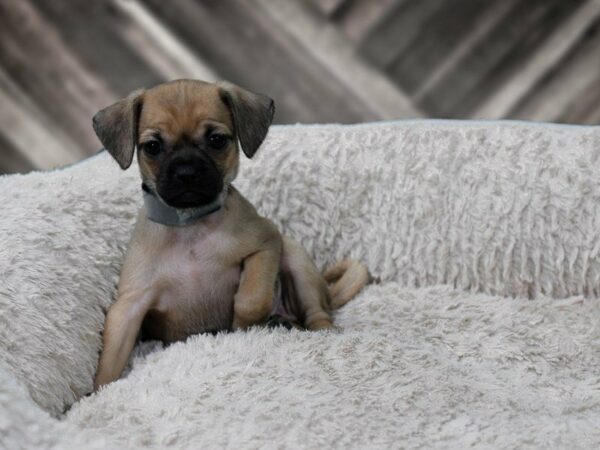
321,60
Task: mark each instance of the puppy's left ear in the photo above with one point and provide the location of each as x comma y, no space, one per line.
252,115
116,126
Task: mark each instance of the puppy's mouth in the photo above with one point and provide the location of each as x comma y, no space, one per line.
189,182
188,199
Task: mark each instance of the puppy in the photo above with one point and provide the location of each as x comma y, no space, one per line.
201,259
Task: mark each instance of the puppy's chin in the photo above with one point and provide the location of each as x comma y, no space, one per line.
188,199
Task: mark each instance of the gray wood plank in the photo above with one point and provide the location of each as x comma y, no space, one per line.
571,91
159,47
350,61
484,70
481,28
394,34
93,31
11,158
252,51
542,62
594,116
329,7
359,17
31,132
379,96
38,61
439,34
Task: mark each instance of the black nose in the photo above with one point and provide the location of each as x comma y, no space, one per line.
185,174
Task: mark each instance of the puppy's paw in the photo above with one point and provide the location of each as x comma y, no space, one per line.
276,321
321,324
239,324
318,320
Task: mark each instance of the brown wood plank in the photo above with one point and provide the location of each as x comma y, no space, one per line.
254,52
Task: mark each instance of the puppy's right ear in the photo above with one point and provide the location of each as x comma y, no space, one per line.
116,126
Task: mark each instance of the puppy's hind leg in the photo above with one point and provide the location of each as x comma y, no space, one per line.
311,295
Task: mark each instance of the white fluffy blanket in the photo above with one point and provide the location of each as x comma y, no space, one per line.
484,330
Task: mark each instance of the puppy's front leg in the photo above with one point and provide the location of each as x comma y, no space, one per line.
254,299
121,328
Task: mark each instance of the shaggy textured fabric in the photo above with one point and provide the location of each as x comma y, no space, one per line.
503,209
23,425
431,367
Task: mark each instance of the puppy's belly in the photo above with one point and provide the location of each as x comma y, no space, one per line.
196,302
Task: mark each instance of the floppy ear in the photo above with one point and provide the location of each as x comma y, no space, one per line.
116,127
251,113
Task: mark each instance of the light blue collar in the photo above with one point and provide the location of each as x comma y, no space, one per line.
158,211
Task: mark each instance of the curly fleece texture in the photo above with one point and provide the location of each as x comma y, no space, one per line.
455,218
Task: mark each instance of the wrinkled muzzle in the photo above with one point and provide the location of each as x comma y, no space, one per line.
188,179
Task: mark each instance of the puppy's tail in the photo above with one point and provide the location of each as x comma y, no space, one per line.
345,279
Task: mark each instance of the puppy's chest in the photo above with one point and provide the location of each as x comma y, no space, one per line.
199,277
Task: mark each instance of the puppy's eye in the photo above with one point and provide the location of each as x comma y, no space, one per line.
217,141
152,148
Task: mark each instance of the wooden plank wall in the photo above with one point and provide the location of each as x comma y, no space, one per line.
322,60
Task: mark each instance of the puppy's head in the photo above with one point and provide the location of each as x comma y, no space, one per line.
187,134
